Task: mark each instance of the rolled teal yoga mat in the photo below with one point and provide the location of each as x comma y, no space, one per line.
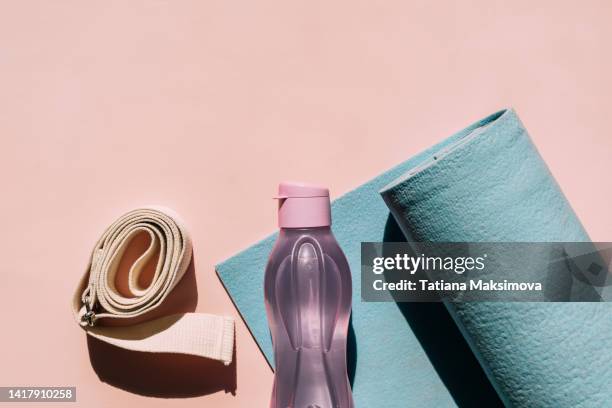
492,185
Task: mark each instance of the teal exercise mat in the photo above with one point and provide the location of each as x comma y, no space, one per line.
412,356
492,185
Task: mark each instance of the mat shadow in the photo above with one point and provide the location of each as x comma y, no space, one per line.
445,346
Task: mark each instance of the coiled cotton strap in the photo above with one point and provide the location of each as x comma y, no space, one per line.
111,316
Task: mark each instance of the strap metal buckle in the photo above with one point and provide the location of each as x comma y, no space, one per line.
89,316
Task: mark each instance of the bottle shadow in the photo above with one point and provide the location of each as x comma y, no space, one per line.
351,352
166,375
445,346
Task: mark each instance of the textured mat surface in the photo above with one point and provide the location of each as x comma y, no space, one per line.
494,186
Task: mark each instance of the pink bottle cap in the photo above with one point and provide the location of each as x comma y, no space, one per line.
303,205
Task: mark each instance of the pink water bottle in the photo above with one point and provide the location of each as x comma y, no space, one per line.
308,292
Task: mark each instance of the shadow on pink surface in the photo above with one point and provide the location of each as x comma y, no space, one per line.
160,375
165,375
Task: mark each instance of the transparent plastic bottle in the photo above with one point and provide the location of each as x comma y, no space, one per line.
308,294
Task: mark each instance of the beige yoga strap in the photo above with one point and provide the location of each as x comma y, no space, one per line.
115,317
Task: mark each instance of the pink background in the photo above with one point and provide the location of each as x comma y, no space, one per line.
203,106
